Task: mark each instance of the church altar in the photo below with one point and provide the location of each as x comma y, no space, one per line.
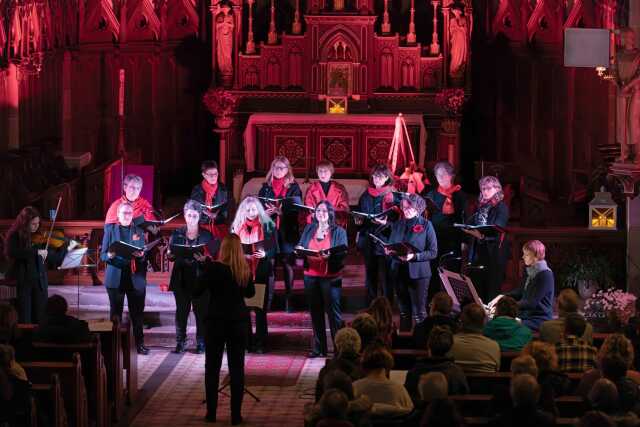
353,142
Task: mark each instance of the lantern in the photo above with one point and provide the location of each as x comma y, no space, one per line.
603,212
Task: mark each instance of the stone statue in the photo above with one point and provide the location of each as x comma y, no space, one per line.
458,44
628,100
224,44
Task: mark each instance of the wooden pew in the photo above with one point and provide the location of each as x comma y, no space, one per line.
483,421
570,406
50,401
486,382
73,386
473,404
130,364
94,372
405,359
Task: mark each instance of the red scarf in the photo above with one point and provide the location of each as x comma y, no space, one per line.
385,191
279,189
141,207
447,207
209,191
251,232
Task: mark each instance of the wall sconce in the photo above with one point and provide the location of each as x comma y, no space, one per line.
603,212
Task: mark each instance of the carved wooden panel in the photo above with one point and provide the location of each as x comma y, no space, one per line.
294,148
340,150
377,150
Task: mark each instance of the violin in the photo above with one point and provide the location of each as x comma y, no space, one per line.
58,239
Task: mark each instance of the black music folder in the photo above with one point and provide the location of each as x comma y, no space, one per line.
187,251
491,230
396,249
316,252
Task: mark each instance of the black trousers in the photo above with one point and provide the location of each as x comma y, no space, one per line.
488,281
376,280
233,335
412,296
288,261
135,301
265,275
323,296
31,301
184,301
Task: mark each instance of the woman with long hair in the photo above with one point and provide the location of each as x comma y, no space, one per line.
185,273
380,310
30,261
278,194
229,281
322,273
377,199
253,225
488,251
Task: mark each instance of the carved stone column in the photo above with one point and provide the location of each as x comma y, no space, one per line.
386,25
251,45
224,130
296,28
411,36
449,140
434,49
272,37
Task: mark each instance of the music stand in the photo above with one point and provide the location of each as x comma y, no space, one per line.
73,260
459,287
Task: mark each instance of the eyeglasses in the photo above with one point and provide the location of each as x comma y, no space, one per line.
211,174
281,168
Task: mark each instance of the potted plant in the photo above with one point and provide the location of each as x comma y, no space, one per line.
609,308
452,101
221,103
587,272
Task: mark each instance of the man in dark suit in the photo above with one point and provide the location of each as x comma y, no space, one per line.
126,276
412,272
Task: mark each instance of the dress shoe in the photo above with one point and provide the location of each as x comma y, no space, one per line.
181,347
236,420
142,349
200,348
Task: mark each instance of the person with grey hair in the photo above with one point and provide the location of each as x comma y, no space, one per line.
142,208
525,393
347,358
411,272
185,273
489,251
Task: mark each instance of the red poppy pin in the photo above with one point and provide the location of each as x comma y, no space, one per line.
135,237
418,228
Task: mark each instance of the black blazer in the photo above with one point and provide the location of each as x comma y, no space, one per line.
222,195
372,205
226,298
535,303
425,241
113,274
289,229
186,271
442,222
338,238
498,250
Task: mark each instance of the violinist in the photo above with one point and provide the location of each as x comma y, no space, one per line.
280,184
142,208
377,198
129,280
185,273
28,250
328,189
212,192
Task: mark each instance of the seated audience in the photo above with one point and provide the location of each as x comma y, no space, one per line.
552,331
632,331
595,419
358,411
471,350
553,382
432,386
442,413
367,328
15,405
574,355
610,367
388,398
439,344
57,327
501,394
525,393
510,334
333,409
439,314
380,310
524,364
8,324
347,358
603,396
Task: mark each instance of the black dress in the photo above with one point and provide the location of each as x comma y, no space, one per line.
227,323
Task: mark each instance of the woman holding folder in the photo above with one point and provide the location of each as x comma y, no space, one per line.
325,246
375,201
412,245
189,247
213,198
257,234
490,250
278,195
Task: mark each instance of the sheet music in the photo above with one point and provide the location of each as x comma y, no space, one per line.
73,259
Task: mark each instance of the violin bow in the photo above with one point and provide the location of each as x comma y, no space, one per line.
53,223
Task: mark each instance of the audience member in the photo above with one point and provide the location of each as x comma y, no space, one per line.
552,331
524,364
347,358
525,393
553,382
574,355
442,413
433,386
632,331
439,344
57,327
501,394
603,396
15,395
380,310
8,324
367,328
388,398
510,334
595,419
439,315
333,409
471,350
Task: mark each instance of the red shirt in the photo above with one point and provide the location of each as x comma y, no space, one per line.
337,196
318,266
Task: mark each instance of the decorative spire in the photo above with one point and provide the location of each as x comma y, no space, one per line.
386,25
251,45
297,25
435,46
272,37
411,36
